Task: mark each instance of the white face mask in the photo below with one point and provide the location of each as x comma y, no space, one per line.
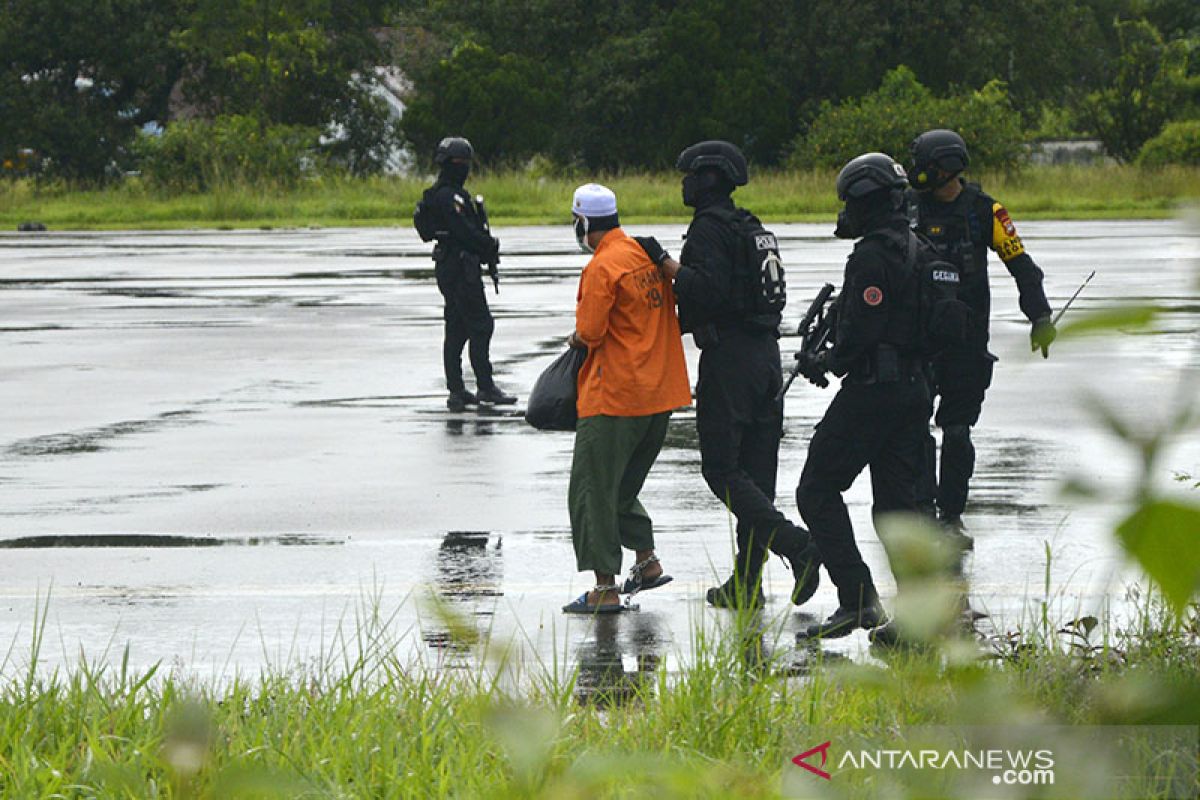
581,233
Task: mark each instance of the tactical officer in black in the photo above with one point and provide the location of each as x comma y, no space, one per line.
962,222
738,418
880,416
464,245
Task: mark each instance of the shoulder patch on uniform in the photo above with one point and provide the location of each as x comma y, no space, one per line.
872,296
1001,214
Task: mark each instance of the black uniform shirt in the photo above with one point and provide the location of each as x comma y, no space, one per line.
704,284
458,216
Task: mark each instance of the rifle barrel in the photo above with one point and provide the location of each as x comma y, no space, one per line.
1067,305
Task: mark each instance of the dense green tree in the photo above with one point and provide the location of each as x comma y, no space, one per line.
901,108
507,105
78,79
1148,87
643,79
291,62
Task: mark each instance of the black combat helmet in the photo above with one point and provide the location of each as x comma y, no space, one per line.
453,147
868,173
715,153
935,150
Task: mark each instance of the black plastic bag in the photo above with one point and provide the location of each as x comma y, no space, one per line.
552,402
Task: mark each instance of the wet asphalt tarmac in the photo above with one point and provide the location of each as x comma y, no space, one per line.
217,447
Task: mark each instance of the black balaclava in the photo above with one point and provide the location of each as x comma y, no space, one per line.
454,173
585,225
864,214
705,187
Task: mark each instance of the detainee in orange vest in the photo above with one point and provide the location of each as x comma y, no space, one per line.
634,376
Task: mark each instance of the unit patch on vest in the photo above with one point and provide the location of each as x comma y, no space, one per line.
935,230
1005,241
872,296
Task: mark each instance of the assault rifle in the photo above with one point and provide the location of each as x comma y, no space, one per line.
494,264
815,331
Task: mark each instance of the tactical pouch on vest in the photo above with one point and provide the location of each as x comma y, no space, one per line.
759,291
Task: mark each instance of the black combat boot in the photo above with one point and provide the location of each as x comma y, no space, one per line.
956,533
844,621
493,395
734,593
459,400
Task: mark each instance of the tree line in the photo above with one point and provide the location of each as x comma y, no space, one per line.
283,86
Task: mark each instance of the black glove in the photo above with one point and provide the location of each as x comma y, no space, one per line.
1042,335
813,367
653,249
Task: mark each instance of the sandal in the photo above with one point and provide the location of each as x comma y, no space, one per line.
634,583
580,605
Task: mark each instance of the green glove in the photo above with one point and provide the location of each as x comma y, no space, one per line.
1042,335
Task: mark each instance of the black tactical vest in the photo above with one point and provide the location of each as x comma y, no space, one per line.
902,330
961,233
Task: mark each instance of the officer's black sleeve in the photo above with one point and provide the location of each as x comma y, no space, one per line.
707,267
862,309
1028,276
464,228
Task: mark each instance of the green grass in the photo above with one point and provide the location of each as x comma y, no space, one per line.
518,198
362,723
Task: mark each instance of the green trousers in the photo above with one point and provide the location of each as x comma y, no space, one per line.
612,457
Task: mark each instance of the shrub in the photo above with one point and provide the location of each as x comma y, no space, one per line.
198,154
1178,143
888,119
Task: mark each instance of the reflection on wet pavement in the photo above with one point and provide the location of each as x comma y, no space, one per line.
139,540
618,658
469,566
198,416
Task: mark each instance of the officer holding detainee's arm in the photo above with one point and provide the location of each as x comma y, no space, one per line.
729,284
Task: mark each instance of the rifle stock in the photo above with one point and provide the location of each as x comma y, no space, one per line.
815,330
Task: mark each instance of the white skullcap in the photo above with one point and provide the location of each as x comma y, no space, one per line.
593,200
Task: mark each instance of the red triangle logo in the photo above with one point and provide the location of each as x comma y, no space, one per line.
800,761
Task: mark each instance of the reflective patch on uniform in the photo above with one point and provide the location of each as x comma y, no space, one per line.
1005,220
1005,240
872,296
935,230
765,241
945,276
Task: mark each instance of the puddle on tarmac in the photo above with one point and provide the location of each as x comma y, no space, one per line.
142,540
94,440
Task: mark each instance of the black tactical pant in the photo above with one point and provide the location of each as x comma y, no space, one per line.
467,316
960,380
740,423
882,426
